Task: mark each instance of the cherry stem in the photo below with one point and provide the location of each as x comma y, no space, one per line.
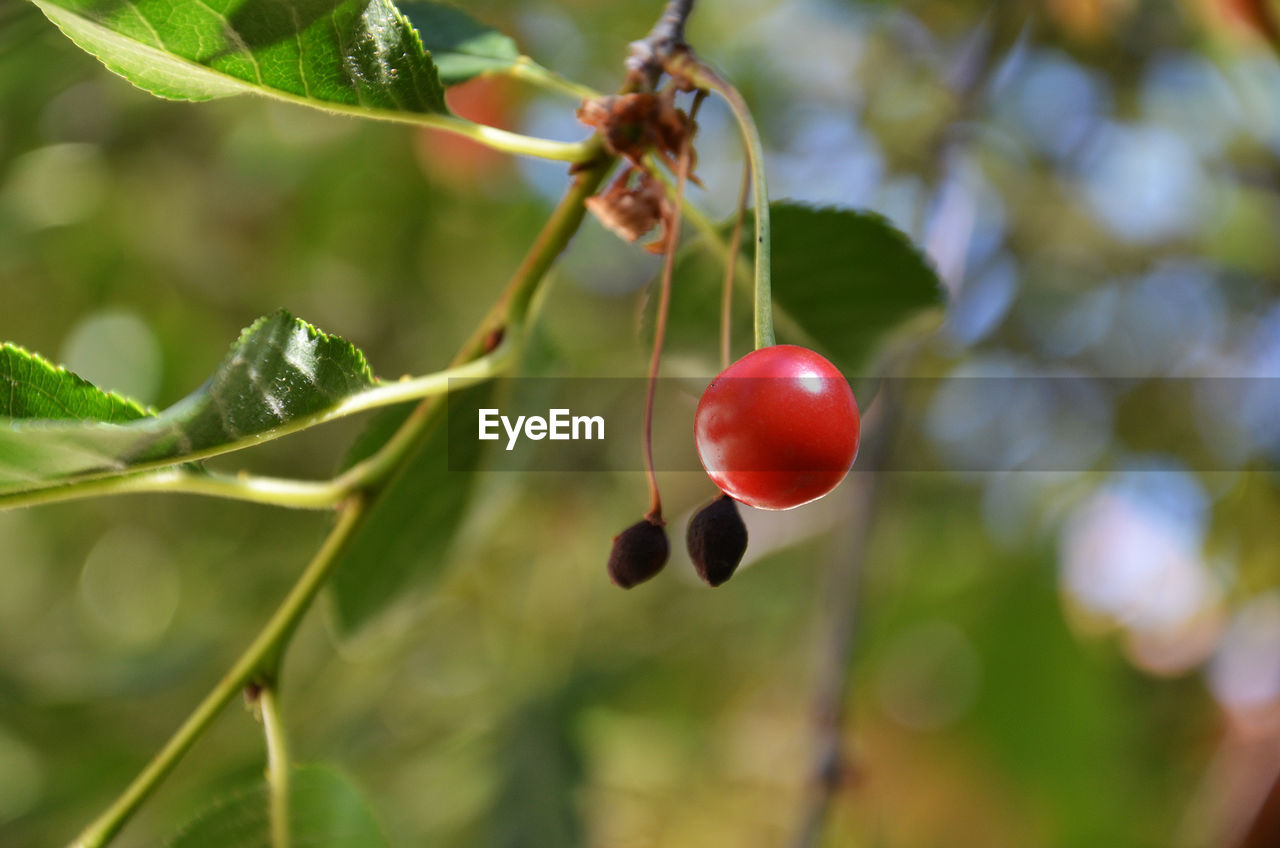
664,302
730,267
684,65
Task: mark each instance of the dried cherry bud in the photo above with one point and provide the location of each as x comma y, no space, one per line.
639,552
717,539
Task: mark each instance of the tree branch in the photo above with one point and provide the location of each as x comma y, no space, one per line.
649,55
829,770
277,765
262,654
262,657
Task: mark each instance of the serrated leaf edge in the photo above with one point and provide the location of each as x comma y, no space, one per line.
313,332
79,382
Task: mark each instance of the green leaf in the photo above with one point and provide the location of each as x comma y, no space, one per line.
347,55
848,278
281,375
32,387
325,811
461,46
844,282
412,520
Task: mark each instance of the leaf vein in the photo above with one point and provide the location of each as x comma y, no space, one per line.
297,36
147,22
236,39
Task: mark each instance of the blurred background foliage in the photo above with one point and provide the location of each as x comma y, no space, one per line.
1080,658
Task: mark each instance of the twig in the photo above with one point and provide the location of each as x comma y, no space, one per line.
829,769
277,765
969,76
183,480
172,474
262,654
530,71
261,659
649,55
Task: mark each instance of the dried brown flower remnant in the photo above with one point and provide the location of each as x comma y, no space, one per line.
635,124
629,210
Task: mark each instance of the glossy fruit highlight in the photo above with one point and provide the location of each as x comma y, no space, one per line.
778,428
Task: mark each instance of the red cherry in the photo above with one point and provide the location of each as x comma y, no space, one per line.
778,428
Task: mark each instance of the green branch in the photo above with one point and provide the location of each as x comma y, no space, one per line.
183,480
174,475
260,662
530,71
507,316
503,140
277,765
